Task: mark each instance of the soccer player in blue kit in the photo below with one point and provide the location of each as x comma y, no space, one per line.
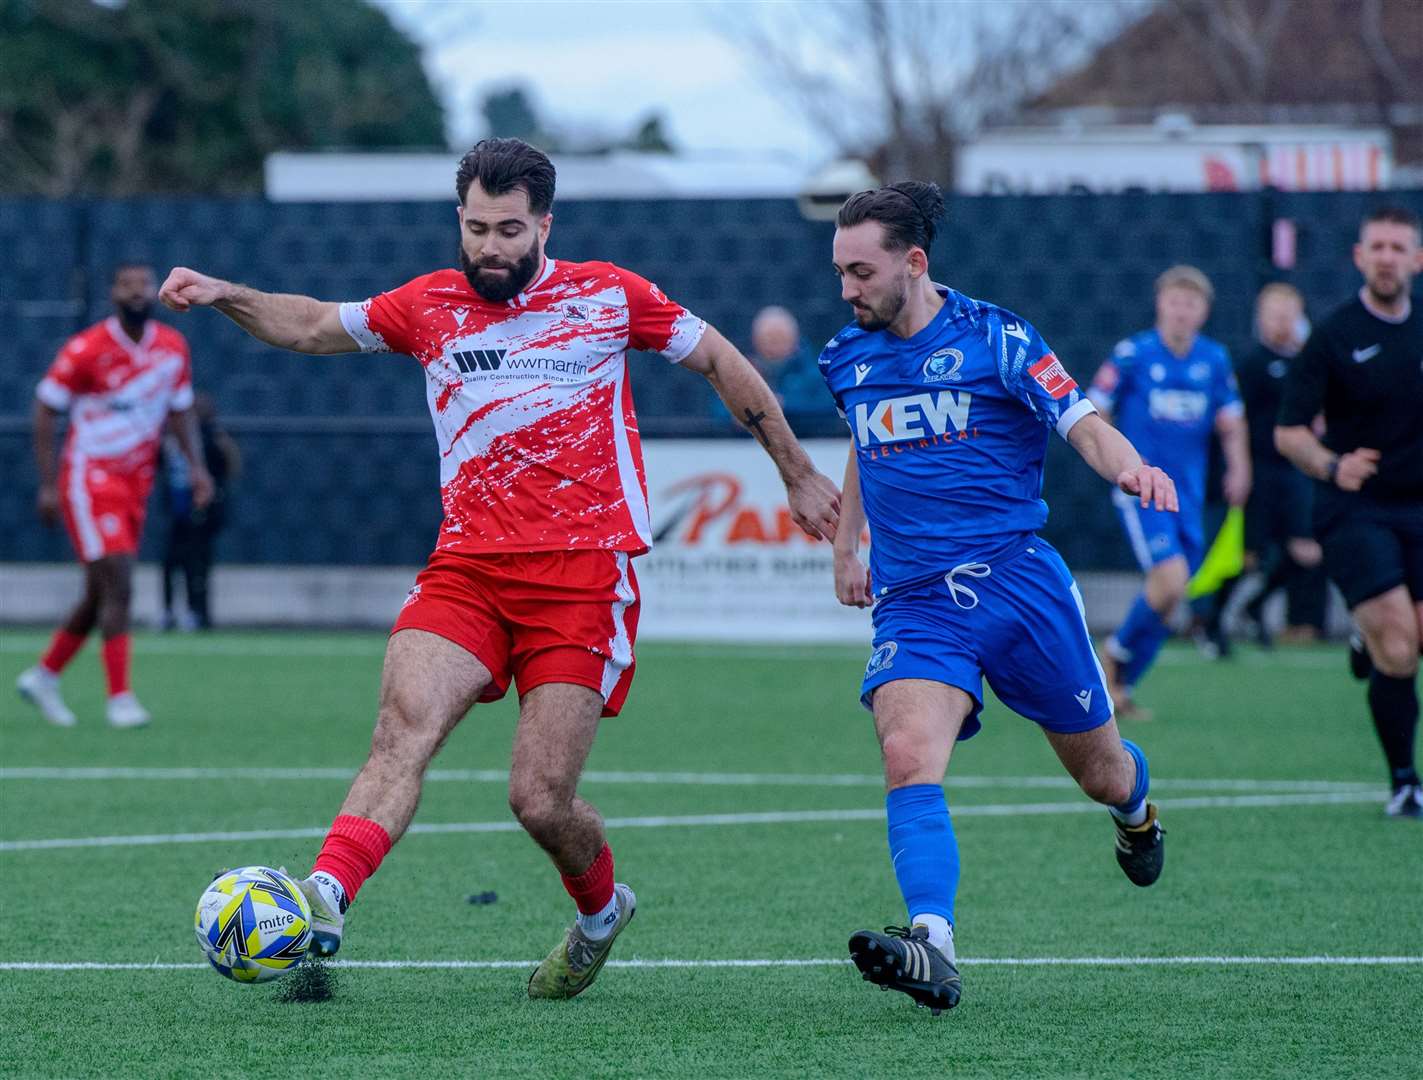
950,403
1167,389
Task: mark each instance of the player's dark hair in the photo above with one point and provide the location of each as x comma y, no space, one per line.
910,212
501,165
130,264
1394,215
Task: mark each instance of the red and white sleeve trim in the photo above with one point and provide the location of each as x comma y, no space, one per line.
355,322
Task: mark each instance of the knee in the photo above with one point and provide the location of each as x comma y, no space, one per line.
1165,590
1105,785
401,739
539,806
1395,654
904,761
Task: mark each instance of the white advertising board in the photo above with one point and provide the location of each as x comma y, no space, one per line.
727,562
1205,158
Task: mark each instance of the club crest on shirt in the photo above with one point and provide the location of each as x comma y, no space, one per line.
943,366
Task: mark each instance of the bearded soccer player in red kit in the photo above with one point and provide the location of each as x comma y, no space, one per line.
118,381
545,506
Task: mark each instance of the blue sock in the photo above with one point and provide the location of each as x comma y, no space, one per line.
1132,811
1141,636
923,849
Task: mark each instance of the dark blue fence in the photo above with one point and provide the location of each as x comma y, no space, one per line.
340,462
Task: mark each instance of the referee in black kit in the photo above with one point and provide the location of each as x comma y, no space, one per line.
1363,369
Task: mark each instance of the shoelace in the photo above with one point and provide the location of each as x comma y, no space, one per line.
899,931
958,590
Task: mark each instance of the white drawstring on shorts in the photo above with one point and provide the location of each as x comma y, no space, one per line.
960,591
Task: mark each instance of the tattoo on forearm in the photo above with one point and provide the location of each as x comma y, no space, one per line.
753,422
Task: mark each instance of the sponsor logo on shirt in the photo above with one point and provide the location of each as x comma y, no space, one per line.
1053,377
1178,406
472,361
914,416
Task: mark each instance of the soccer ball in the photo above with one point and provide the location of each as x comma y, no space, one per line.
253,924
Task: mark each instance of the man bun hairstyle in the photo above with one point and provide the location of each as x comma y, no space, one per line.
909,211
501,165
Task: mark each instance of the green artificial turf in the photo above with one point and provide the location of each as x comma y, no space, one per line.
1316,870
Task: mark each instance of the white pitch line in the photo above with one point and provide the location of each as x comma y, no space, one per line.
649,965
771,817
671,779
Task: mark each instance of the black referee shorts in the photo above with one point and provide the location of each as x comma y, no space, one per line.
1370,545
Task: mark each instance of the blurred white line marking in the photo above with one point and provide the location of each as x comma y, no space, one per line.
986,961
671,779
770,817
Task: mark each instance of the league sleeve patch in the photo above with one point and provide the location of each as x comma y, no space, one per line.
1053,377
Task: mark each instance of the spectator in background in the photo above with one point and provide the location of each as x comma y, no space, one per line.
192,528
1279,543
789,368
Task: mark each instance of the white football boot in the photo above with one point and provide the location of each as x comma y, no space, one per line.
40,687
124,711
328,912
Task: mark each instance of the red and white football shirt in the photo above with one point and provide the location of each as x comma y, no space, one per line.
531,399
118,393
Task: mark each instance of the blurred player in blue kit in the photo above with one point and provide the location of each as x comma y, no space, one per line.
950,403
1167,389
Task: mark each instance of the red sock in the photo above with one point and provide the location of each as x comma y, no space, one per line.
116,663
353,849
62,648
593,889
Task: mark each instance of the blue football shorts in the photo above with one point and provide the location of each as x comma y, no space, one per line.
1019,623
1158,535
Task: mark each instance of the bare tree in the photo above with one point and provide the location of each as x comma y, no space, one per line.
902,83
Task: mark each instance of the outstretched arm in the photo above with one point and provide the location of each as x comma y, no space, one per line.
1116,461
814,502
291,322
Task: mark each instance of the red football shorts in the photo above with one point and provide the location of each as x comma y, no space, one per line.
534,618
104,508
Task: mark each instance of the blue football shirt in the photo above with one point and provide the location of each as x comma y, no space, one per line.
950,429
1167,405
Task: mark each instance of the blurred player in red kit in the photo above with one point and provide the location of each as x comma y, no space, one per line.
545,506
118,381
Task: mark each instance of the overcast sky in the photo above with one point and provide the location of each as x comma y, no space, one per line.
607,63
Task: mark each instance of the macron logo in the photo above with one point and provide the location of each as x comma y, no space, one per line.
1084,699
1017,330
861,370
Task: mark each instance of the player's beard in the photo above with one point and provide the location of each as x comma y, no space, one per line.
499,288
135,312
1386,290
879,317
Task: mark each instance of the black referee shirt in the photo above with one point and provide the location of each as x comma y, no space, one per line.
1261,373
1366,375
